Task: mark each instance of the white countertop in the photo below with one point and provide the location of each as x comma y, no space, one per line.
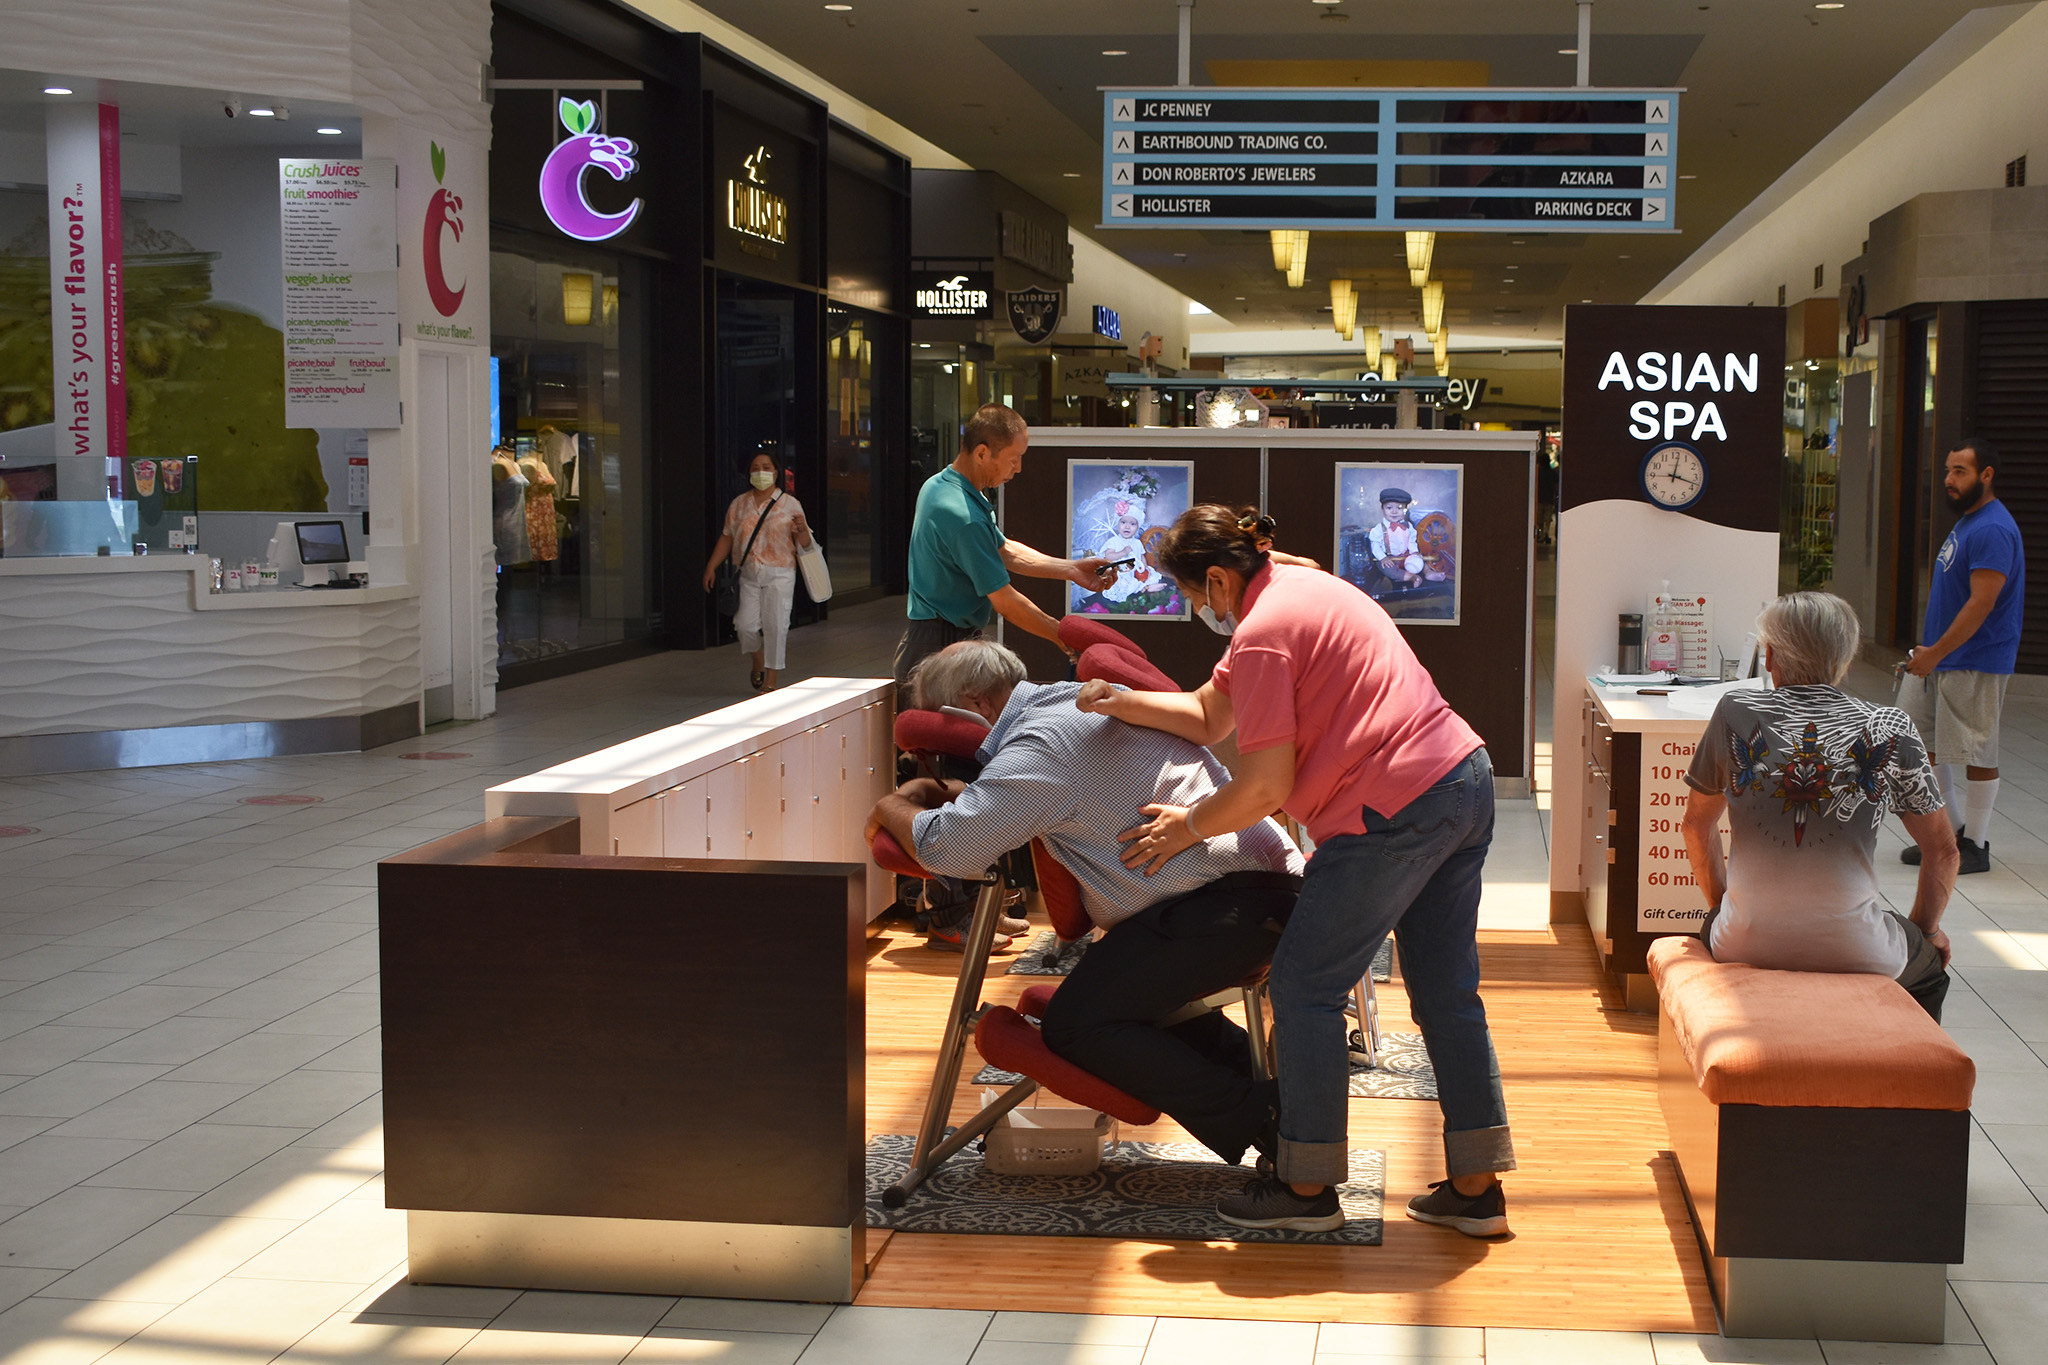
199,568
654,762
1632,713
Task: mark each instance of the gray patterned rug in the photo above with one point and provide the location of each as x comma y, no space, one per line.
1403,1073
1044,956
1148,1191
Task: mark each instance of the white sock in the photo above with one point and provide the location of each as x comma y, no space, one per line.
1977,799
1945,778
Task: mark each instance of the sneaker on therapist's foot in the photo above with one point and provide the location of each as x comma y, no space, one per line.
1480,1215
1976,856
1269,1203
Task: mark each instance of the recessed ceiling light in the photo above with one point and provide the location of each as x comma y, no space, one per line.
1585,300
1514,267
56,90
839,9
1325,2
1115,52
262,112
1070,175
1830,4
1688,177
1567,52
1624,255
328,132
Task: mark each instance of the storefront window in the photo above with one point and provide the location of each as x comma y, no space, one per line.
1813,416
862,355
569,475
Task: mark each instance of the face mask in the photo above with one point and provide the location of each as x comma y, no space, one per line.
763,479
1222,627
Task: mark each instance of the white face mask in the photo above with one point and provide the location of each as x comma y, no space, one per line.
763,479
1222,627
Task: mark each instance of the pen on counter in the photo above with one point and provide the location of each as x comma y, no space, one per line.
1653,691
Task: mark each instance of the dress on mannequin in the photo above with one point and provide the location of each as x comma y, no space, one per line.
508,510
540,509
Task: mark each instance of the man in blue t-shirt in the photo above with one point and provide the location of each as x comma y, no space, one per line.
1954,683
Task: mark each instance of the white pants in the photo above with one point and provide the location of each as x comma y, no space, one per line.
766,594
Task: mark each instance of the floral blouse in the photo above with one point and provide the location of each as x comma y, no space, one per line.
777,544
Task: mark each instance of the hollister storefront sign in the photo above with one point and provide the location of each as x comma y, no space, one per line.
958,294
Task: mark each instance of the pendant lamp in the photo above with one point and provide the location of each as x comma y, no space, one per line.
1390,366
1421,248
1372,347
1297,264
1432,306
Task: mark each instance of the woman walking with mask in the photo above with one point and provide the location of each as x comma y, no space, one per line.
764,528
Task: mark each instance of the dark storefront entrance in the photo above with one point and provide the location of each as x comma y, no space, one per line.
725,276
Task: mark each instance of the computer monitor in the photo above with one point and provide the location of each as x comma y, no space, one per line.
321,542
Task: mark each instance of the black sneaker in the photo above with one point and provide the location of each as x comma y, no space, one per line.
1480,1215
1976,856
1265,1203
1910,854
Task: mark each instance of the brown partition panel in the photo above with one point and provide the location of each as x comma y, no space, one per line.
624,1037
1035,512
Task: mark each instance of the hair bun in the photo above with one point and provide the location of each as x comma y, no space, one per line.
1257,525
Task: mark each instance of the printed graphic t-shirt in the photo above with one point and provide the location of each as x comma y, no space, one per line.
956,552
1987,538
1809,773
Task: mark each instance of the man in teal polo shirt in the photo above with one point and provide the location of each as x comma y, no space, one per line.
960,561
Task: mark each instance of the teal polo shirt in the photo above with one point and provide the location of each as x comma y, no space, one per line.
956,552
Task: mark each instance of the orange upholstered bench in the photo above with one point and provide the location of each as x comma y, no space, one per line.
1822,1127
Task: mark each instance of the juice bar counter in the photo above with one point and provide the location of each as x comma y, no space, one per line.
130,662
624,1017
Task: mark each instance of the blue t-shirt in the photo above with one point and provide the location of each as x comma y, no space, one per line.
1987,538
956,552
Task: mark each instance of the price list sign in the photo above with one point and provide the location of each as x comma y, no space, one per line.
339,224
1669,899
1481,160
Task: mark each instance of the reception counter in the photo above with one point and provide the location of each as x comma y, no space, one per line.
1635,878
624,1018
130,662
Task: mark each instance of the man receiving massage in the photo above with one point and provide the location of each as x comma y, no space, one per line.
1212,918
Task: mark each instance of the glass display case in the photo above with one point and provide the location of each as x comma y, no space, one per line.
1812,425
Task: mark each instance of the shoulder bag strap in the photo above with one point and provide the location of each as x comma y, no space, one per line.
757,532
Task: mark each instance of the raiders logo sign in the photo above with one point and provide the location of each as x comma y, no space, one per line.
1034,313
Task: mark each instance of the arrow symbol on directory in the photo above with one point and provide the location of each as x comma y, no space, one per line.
1123,111
1655,144
1120,206
1653,177
1123,142
1120,174
1653,210
1657,111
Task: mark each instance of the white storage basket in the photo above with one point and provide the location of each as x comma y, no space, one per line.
1048,1142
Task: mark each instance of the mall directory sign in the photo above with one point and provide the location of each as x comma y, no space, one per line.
1478,160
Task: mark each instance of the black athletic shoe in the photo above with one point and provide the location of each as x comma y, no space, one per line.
1265,1203
1480,1215
1976,856
1910,854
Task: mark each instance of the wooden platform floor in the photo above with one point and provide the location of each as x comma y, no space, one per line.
1602,1239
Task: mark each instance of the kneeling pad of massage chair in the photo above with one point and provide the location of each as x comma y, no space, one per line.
935,732
1078,632
1007,1040
1116,665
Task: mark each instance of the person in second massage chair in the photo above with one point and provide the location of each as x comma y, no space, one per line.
1054,772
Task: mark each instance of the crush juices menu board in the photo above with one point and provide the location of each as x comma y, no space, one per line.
339,220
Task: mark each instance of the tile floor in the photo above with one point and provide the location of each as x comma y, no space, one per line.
190,1149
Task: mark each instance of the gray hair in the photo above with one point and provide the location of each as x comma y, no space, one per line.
980,668
1813,637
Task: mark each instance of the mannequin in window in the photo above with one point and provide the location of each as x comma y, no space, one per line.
540,509
508,508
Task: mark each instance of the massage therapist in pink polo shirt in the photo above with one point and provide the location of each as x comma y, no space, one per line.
1339,725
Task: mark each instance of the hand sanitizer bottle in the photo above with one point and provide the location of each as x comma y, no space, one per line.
1661,650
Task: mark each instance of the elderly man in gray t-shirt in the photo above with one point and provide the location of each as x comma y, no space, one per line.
1805,773
1208,919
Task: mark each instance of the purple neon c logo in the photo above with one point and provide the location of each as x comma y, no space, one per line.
561,177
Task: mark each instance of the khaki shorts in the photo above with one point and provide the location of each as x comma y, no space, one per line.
1956,711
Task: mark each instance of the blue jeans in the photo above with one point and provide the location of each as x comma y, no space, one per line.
1418,872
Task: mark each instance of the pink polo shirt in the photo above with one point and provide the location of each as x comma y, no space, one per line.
1316,661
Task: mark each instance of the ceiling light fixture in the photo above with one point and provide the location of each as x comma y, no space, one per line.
1432,305
56,90
328,132
1831,4
1344,307
1115,52
262,111
1070,175
1390,366
1297,263
1688,177
1372,348
1421,250
839,9
1567,52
